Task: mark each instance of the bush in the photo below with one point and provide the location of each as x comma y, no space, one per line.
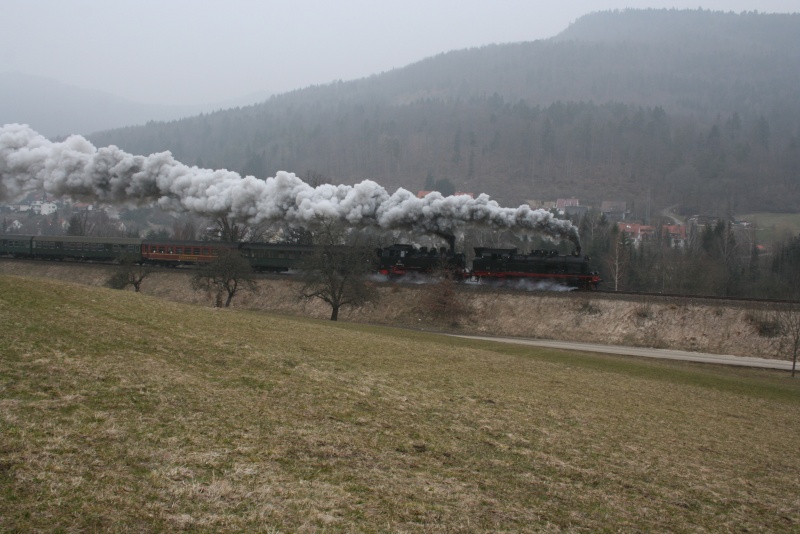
443,302
118,280
643,311
587,307
765,324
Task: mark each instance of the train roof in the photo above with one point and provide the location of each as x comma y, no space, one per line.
189,242
88,239
480,251
282,246
399,246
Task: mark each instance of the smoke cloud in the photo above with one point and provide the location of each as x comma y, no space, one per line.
75,168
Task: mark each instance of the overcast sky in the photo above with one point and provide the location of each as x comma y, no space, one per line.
200,51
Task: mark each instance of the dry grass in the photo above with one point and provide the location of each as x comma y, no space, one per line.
573,316
123,412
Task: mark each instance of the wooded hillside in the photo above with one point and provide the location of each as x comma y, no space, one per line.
694,108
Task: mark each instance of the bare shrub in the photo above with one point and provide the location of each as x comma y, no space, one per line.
643,311
225,277
765,324
129,274
444,303
587,307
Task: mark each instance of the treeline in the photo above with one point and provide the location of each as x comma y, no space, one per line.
721,259
513,151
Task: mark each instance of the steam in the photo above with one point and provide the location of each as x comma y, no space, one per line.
75,168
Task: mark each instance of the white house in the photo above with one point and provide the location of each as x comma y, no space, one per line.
43,208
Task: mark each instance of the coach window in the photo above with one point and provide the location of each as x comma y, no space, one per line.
197,252
179,250
205,252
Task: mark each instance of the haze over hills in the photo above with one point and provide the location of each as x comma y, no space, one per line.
57,109
687,107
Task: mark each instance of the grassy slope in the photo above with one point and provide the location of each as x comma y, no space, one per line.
774,227
125,412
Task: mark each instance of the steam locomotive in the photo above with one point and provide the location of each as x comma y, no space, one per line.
491,264
395,261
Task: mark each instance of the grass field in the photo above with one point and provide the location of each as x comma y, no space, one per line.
123,412
774,227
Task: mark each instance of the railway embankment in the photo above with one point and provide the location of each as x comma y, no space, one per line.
719,327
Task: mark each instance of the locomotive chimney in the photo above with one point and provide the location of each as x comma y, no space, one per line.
451,241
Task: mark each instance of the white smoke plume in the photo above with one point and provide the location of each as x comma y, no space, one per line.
75,168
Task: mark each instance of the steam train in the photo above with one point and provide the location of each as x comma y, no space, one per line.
395,261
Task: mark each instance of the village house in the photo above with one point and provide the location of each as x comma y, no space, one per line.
614,210
570,208
423,194
541,204
674,235
637,232
43,208
563,203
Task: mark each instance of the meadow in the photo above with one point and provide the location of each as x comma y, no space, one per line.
125,412
774,227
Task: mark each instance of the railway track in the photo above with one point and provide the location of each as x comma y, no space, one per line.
693,297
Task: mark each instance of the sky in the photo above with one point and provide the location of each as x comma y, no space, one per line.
207,51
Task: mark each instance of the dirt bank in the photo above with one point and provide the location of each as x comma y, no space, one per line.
701,326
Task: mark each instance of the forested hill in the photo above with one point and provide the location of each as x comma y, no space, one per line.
689,107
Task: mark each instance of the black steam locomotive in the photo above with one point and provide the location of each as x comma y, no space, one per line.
491,264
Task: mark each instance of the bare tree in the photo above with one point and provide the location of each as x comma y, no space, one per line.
79,224
185,228
129,274
443,301
617,260
787,317
230,230
338,274
225,277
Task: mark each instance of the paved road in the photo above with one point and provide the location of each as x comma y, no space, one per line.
668,212
645,352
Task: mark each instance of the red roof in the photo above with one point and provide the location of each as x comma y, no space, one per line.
423,194
674,231
562,203
636,229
